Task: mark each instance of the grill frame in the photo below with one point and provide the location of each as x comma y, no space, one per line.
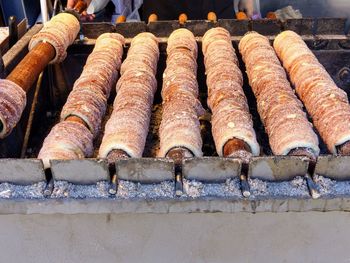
325,36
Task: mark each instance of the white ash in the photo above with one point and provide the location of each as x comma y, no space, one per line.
154,191
130,190
297,188
325,185
257,187
34,191
331,188
194,189
127,189
63,189
341,188
298,182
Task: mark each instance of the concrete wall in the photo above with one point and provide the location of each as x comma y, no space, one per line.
239,237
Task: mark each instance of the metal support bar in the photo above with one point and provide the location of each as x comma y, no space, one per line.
13,31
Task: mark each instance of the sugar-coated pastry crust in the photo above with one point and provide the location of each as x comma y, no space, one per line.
327,104
180,125
88,99
60,32
128,125
67,140
231,118
279,108
12,103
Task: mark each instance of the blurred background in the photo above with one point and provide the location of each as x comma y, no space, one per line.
30,9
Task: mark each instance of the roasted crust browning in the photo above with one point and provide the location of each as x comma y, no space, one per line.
60,32
326,103
88,99
128,125
66,140
12,103
231,118
280,110
180,126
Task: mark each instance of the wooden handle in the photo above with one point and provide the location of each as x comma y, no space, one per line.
77,119
80,6
115,155
152,18
120,19
212,17
28,70
236,148
305,152
271,15
344,149
235,145
182,18
178,154
241,16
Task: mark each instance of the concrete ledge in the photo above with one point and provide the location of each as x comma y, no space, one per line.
207,205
